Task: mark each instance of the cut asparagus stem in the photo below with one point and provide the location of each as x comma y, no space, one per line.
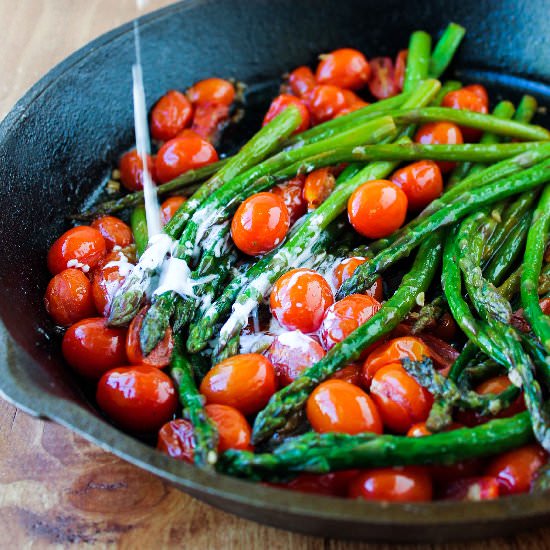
418,60
445,49
138,223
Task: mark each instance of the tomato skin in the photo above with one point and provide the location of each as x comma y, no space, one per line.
377,208
325,102
468,100
291,353
318,186
353,101
114,231
176,439
299,300
344,316
92,348
408,484
401,400
69,298
105,284
516,469
209,121
233,429
382,79
472,489
138,399
169,207
301,81
332,484
421,181
182,154
337,406
260,223
345,67
291,192
131,170
82,244
480,91
393,351
442,133
212,90
161,354
170,115
245,382
350,374
280,103
346,268
400,65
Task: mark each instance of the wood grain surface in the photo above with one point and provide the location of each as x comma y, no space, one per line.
56,489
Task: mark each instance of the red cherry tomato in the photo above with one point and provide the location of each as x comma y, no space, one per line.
382,79
400,66
343,317
325,102
161,354
350,374
280,103
346,268
245,382
176,439
170,115
180,155
401,400
131,170
209,121
169,207
353,101
291,192
92,348
392,352
333,484
291,353
301,81
337,406
114,231
68,298
212,90
81,247
516,469
467,100
480,91
377,208
233,429
105,284
260,223
472,489
445,133
139,399
299,300
409,484
421,181
318,186
346,68
498,385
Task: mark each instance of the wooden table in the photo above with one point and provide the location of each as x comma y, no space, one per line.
56,489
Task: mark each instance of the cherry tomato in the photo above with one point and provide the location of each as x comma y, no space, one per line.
138,399
353,101
497,385
299,300
377,208
260,223
446,327
114,231
400,66
161,354
516,469
401,400
409,484
421,181
280,103
176,439
302,81
179,155
325,102
169,207
81,247
319,185
445,133
392,352
233,429
480,91
344,316
472,489
467,100
245,382
346,268
209,121
382,79
332,484
170,115
105,284
337,406
291,353
68,298
212,90
131,170
92,348
350,374
291,192
345,67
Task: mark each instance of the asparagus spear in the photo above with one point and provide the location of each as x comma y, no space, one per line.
418,60
138,223
445,49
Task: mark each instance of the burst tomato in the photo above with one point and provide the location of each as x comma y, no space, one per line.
291,192
318,186
382,82
114,231
209,120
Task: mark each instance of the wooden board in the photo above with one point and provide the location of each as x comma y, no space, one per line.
57,490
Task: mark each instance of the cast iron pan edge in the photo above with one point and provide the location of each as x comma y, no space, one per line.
304,513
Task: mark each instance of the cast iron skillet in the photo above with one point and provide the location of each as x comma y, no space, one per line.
63,137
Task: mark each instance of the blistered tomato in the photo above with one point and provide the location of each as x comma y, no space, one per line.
318,186
346,67
291,192
170,115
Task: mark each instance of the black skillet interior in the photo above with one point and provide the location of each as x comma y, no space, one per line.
62,139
